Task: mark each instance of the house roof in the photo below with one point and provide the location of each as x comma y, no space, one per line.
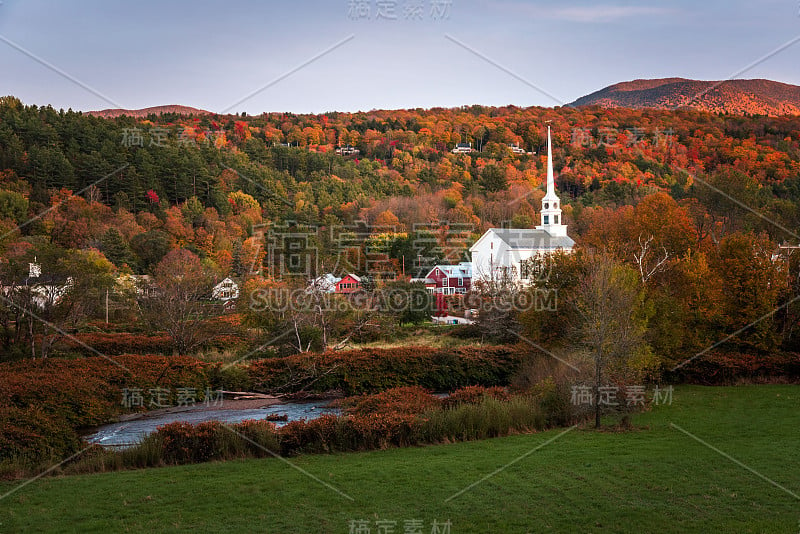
529,239
351,275
226,280
462,270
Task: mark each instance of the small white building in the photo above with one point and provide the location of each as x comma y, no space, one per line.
516,149
140,285
226,290
501,253
325,283
43,290
347,151
462,148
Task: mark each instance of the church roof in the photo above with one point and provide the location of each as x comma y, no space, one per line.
532,239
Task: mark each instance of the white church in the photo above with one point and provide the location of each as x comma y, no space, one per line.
501,253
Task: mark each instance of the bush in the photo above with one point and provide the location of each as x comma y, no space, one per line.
407,400
229,377
474,395
374,370
555,400
183,443
719,367
45,404
32,436
116,343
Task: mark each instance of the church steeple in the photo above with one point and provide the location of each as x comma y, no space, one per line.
551,211
551,182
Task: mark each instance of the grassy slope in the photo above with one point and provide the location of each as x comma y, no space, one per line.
655,479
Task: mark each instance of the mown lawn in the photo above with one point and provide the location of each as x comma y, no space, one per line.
653,479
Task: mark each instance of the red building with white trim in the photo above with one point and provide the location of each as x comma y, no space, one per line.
350,283
449,279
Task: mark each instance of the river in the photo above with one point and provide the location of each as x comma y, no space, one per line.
129,433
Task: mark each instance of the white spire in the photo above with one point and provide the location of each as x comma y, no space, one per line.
551,183
552,221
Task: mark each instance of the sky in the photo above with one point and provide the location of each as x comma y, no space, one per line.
315,56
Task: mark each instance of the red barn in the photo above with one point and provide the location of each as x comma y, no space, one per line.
350,283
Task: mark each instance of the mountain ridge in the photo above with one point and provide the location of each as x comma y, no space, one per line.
755,96
144,112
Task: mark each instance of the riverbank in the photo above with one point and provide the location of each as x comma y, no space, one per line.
654,474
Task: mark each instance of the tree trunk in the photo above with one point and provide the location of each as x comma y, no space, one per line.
597,374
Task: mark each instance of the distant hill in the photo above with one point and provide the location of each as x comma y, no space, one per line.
141,113
762,97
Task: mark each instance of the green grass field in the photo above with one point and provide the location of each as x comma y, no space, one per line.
652,479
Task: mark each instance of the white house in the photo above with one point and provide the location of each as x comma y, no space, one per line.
226,290
325,283
347,151
44,290
140,285
500,252
462,148
516,149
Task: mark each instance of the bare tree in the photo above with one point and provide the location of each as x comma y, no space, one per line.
177,299
610,324
648,260
498,295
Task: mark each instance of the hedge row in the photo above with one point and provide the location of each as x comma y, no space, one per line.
117,343
720,367
374,370
44,404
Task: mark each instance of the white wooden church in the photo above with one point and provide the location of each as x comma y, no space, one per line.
501,253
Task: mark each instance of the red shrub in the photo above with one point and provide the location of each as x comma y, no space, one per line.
407,400
374,370
474,394
114,343
70,395
717,367
186,443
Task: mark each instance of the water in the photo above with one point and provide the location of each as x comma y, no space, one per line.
128,433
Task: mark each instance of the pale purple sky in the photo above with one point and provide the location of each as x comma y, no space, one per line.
93,54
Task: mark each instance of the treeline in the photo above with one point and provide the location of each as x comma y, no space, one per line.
711,195
603,157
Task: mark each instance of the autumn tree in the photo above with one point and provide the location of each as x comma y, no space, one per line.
493,179
177,299
610,321
749,283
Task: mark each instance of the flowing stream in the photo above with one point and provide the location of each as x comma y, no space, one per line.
129,433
